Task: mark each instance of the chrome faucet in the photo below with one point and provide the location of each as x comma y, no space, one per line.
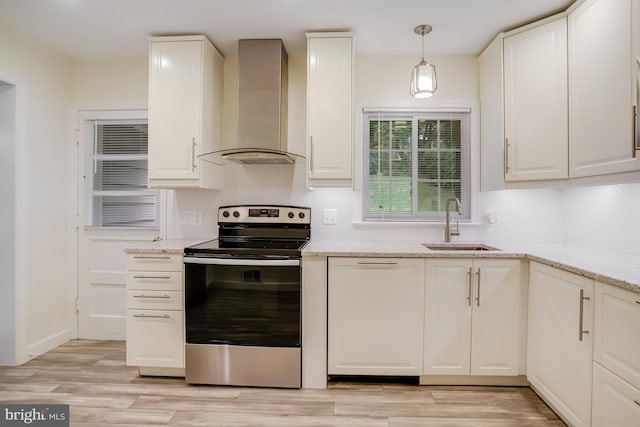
448,232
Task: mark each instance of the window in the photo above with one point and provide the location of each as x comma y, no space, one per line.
415,161
116,175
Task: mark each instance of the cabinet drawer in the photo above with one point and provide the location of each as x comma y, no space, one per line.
149,261
617,322
154,300
154,280
155,338
615,402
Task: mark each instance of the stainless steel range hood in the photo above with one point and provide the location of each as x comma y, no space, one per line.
262,106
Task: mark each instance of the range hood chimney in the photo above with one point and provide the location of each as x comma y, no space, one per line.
262,104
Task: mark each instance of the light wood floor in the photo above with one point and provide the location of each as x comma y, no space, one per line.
92,378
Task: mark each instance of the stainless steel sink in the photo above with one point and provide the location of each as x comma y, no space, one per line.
459,247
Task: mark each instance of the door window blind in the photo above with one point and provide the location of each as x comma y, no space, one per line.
116,175
415,161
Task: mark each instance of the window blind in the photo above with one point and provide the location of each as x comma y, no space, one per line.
116,175
416,160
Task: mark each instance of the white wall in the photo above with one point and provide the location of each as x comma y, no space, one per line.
43,193
7,224
109,84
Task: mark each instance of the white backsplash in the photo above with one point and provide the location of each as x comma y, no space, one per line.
604,217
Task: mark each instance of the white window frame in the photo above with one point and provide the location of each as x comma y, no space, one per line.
86,158
419,114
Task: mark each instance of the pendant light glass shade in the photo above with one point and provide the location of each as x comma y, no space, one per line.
423,80
423,77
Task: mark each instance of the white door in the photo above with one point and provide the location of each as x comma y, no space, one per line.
103,169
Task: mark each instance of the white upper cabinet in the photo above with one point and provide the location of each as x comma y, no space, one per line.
185,111
601,88
491,117
535,103
329,109
559,97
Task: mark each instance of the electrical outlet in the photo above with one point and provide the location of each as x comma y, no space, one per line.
330,216
190,217
491,217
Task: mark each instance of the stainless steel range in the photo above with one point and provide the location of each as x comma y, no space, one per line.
242,298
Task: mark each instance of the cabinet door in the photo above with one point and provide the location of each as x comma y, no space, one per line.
615,402
600,88
155,338
375,316
447,324
535,103
329,109
175,84
496,327
616,345
559,357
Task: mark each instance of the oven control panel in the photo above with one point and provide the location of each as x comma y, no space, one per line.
264,214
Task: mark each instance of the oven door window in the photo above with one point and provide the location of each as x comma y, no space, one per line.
242,305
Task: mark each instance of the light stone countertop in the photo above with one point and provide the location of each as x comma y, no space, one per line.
171,246
618,269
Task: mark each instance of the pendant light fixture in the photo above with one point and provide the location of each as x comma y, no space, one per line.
423,76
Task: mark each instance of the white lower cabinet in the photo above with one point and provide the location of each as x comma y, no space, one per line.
616,345
375,316
152,336
473,317
615,401
560,339
155,314
616,367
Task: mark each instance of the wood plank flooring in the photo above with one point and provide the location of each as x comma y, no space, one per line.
92,378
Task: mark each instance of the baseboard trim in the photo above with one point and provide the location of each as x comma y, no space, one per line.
513,381
48,343
160,372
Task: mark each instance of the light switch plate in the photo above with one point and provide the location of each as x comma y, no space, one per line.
190,217
330,216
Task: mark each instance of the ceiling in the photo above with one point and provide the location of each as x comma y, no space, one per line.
107,29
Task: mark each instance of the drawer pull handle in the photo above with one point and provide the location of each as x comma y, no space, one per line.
637,402
164,316
469,288
478,294
153,257
581,322
376,263
637,302
152,277
152,296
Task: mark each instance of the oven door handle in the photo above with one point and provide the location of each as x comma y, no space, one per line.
250,262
